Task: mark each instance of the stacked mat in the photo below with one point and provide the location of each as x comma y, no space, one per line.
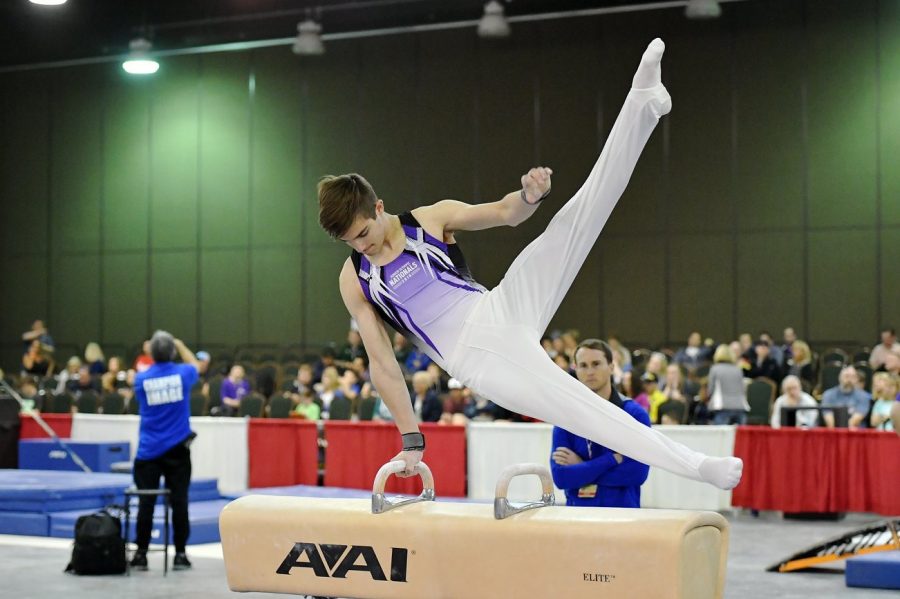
48,502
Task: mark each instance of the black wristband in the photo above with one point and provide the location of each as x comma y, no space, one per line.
541,199
413,441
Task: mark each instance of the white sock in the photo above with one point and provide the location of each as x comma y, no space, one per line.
649,73
724,473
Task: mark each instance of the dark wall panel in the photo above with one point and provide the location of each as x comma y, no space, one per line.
330,125
698,73
25,297
174,155
841,52
76,161
890,282
124,297
770,282
701,286
125,206
224,150
634,284
769,174
224,301
889,132
842,284
24,184
326,318
447,111
278,188
174,302
75,299
276,304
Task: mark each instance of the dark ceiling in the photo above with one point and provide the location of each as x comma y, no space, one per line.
90,28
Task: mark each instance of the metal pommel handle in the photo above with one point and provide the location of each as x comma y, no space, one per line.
381,504
503,508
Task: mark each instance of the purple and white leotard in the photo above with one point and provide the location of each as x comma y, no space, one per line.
425,293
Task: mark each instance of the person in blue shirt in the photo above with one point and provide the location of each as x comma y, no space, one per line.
162,392
847,394
589,473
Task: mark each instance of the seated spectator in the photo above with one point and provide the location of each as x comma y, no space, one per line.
115,379
478,408
86,381
426,403
800,364
94,358
891,363
848,395
673,384
547,344
455,403
621,354
416,360
38,332
885,389
360,366
774,350
203,360
631,386
303,382
326,360
37,360
67,379
692,355
562,360
746,341
762,363
888,344
234,388
727,397
306,407
31,399
352,350
329,387
402,347
793,396
657,364
144,360
650,397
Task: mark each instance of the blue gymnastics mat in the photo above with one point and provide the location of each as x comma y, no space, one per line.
203,516
874,571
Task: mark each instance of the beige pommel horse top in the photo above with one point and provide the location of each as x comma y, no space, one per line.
422,549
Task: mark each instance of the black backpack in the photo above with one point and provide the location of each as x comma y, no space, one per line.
99,546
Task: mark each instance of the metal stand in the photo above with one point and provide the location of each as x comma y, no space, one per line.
133,492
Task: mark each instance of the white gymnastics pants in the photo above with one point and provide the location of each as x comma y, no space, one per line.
498,353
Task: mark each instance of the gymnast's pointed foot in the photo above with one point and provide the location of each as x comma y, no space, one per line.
724,473
649,77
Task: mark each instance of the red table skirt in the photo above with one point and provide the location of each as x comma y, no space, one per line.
356,450
60,423
282,452
818,470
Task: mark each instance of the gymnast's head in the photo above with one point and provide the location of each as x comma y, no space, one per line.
350,211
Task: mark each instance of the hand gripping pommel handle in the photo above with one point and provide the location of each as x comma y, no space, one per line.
502,506
381,504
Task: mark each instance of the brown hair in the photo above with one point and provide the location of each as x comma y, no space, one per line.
596,344
341,199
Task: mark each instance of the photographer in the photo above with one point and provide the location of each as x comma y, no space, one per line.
165,435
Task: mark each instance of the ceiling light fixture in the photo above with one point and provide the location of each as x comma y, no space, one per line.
138,62
493,23
703,9
48,2
309,40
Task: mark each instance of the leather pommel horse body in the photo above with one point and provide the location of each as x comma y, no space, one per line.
421,549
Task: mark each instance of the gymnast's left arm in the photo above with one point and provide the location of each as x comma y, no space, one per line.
515,207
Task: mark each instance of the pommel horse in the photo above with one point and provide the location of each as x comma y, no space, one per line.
418,548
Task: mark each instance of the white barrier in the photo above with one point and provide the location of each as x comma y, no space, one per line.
219,451
494,445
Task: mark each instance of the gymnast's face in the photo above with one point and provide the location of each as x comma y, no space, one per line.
366,235
592,369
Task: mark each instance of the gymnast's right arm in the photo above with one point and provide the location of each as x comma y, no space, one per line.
385,372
